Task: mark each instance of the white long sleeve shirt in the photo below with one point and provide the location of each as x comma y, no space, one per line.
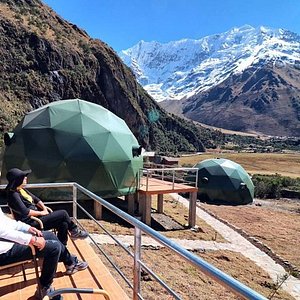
14,231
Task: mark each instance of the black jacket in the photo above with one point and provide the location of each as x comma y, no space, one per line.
21,206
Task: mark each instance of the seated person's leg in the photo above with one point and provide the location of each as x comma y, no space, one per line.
61,221
15,254
57,220
51,254
70,261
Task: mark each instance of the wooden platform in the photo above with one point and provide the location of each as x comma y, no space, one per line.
152,186
13,287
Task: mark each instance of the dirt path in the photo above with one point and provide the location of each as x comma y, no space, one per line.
240,244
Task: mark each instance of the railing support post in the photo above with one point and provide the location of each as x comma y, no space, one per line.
173,179
137,265
74,188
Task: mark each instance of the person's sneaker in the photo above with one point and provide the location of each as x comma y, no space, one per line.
78,234
76,266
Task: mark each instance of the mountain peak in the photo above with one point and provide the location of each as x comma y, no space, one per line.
246,78
179,69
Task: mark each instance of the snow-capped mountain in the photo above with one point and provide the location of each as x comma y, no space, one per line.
180,69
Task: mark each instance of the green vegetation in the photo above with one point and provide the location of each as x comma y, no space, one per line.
256,144
271,186
213,139
84,46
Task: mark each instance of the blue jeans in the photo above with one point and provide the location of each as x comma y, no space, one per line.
53,252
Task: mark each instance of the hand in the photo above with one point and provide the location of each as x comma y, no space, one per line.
44,212
38,242
35,231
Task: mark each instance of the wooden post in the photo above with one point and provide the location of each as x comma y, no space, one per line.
192,209
160,203
131,201
98,210
145,208
141,204
148,210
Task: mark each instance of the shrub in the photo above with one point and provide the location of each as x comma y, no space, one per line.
270,186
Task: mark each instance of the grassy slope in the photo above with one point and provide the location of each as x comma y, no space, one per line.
255,163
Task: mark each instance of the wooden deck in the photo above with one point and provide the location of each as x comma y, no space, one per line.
152,186
13,287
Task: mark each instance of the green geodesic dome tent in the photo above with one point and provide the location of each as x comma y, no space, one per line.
222,181
75,141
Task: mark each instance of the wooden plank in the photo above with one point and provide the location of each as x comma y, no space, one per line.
96,275
12,285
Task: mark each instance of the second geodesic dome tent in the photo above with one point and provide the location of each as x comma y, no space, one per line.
75,141
222,181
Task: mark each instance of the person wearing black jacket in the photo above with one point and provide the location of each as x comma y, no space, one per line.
24,204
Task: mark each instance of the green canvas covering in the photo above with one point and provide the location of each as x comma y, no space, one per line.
222,181
75,141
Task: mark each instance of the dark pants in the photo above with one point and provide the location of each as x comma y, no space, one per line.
52,253
59,220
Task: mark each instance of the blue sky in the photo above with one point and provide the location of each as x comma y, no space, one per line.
122,23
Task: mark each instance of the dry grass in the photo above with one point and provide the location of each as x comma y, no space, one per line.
188,282
285,164
276,224
172,208
227,131
282,236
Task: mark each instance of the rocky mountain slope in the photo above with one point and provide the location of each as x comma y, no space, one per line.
261,99
45,58
244,79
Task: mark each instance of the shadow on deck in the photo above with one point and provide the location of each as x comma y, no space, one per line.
96,276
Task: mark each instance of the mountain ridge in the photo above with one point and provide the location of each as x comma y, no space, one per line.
45,59
188,70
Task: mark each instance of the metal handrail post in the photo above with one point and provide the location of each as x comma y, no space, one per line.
74,189
173,179
196,184
147,180
137,265
139,179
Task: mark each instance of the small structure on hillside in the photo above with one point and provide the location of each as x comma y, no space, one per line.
76,141
170,161
222,181
148,156
166,160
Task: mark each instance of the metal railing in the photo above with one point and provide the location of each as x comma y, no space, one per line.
225,280
187,176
